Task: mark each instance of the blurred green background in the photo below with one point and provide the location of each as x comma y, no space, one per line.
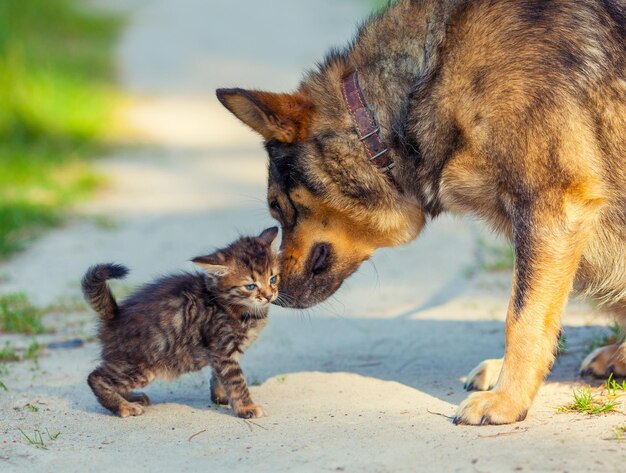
56,107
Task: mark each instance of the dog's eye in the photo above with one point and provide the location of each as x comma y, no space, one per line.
273,279
274,205
250,287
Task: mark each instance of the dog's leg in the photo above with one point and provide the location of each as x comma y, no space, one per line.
610,359
549,239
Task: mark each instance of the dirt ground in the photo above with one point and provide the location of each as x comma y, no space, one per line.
364,383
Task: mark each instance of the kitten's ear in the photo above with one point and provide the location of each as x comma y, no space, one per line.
282,117
269,235
212,264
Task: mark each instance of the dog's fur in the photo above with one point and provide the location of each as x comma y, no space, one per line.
511,110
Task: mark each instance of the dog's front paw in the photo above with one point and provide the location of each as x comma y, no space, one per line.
490,408
251,411
484,376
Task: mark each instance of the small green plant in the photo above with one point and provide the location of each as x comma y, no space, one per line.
613,388
9,353
18,315
586,402
3,386
605,401
37,439
30,407
281,379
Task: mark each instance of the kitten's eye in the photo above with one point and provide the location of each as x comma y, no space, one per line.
273,279
250,287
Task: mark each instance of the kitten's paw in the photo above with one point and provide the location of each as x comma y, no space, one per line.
139,398
604,361
484,376
130,409
251,411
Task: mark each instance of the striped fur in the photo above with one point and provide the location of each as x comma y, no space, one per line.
183,323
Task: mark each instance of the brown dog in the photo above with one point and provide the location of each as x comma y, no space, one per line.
511,110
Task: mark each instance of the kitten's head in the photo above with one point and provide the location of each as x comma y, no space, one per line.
246,272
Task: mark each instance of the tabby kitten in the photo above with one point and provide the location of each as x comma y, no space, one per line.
182,323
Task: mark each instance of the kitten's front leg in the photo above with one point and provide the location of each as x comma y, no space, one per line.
229,374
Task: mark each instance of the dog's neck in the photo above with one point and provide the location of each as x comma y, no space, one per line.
396,55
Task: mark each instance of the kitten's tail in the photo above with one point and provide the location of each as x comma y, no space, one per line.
97,292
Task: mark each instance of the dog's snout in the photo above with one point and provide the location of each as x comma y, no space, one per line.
319,257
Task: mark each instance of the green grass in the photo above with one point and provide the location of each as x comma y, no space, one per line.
37,439
586,402
593,404
9,353
18,315
4,370
56,104
31,408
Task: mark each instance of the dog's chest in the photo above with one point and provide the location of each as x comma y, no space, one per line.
469,185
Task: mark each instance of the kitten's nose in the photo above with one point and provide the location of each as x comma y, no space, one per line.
268,296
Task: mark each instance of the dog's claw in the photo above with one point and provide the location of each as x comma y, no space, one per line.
469,386
456,420
484,421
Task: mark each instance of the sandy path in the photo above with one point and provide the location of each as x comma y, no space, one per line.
348,385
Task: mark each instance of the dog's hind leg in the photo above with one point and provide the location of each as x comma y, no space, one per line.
610,359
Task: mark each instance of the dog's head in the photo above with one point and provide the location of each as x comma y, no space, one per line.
334,206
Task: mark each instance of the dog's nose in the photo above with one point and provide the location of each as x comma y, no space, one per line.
319,257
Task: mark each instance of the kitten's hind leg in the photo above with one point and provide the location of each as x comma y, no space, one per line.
218,393
111,389
140,398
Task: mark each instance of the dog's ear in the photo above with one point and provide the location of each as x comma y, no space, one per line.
282,117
